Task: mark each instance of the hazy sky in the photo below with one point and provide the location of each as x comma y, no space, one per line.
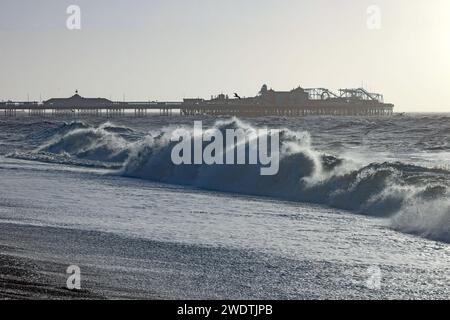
170,49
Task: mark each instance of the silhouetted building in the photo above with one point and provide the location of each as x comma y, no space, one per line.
288,98
77,101
297,102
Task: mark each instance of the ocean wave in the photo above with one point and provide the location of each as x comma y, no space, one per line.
378,189
428,218
90,143
414,198
80,144
50,129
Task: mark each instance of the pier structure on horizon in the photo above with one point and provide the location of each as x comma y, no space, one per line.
295,103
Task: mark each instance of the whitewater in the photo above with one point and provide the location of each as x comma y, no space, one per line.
351,194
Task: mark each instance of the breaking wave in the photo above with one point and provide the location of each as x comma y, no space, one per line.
77,143
97,144
414,198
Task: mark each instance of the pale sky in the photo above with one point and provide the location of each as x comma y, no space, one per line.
170,49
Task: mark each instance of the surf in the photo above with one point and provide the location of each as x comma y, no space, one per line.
414,198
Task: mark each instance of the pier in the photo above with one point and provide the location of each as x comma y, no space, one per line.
10,109
298,102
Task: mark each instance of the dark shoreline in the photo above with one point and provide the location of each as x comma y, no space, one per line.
34,260
33,263
24,279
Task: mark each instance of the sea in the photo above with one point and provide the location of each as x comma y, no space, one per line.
360,207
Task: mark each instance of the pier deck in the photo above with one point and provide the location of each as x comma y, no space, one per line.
116,108
180,108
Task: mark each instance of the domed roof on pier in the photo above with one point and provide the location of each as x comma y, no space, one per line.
78,101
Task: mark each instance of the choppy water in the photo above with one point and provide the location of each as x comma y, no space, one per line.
361,191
